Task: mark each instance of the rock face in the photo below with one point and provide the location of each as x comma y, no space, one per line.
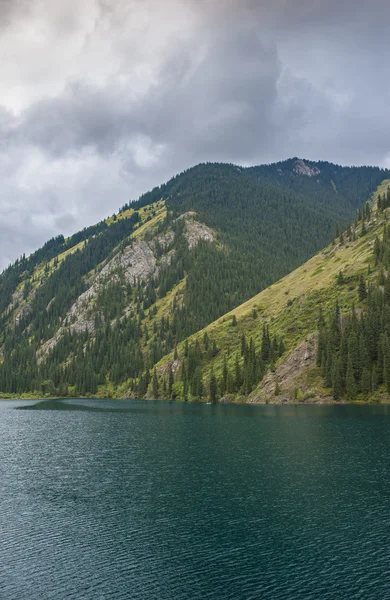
288,375
196,231
301,168
135,263
139,261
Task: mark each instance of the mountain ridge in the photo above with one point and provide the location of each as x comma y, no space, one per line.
120,295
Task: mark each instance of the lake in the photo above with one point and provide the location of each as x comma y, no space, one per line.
105,499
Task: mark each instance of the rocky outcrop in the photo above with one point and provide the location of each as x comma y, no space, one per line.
17,297
139,261
301,168
290,376
172,364
196,231
135,263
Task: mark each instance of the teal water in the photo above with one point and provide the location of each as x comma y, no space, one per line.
156,500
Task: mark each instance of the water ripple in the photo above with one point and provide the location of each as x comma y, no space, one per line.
107,500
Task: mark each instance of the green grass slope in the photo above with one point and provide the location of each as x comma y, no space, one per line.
290,309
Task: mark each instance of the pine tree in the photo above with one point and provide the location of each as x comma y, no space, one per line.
213,387
171,380
243,345
380,361
350,383
366,382
386,361
336,379
374,379
387,290
155,384
265,345
328,370
197,383
353,354
238,379
362,292
321,347
224,381
206,341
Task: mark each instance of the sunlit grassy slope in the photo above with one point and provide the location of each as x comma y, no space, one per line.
149,216
291,306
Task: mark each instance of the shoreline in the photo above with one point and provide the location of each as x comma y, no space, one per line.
180,401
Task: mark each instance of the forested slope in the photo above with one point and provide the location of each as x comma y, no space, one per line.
94,313
319,334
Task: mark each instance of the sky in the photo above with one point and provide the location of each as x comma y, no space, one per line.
101,100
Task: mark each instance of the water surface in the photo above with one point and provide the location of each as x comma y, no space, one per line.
157,500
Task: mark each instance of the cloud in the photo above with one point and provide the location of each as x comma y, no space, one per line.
102,101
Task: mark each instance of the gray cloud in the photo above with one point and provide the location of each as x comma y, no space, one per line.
102,103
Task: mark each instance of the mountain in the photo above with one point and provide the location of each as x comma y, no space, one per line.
94,313
321,333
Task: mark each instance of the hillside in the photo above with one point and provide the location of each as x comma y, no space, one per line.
94,313
288,343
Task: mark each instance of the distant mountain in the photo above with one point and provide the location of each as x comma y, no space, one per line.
94,313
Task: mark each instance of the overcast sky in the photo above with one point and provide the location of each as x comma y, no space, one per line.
101,100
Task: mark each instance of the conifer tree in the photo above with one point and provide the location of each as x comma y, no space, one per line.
224,381
364,358
206,341
386,362
170,382
321,347
350,383
328,369
238,379
243,345
353,354
265,345
155,384
197,385
336,379
374,379
362,292
213,387
366,382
